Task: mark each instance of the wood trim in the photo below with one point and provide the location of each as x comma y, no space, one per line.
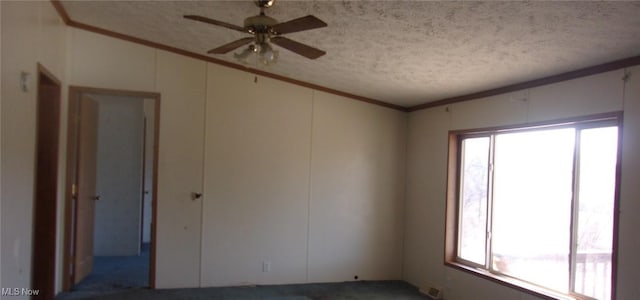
592,70
144,175
72,155
113,92
617,210
61,11
71,172
451,214
536,125
154,198
597,69
48,75
45,202
98,30
510,283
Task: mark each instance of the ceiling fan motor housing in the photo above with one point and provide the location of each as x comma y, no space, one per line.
259,24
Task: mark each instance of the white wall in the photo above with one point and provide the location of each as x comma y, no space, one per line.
427,170
357,191
256,180
298,179
1,74
255,162
119,176
31,32
104,62
330,210
182,83
629,243
1,95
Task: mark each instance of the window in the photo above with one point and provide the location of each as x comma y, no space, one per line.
535,207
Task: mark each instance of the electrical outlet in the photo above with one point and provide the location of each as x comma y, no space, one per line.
266,266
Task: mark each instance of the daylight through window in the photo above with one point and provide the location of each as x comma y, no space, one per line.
537,204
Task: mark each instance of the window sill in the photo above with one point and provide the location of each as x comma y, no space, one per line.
514,283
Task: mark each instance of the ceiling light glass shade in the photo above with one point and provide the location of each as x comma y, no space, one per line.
267,55
244,55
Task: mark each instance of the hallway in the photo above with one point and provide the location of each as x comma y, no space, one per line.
113,274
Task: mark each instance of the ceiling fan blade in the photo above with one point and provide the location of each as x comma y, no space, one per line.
299,48
299,24
231,46
215,22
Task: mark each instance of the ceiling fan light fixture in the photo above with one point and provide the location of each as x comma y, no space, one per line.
244,55
267,55
264,3
265,30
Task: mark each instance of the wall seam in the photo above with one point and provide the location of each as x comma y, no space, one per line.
155,70
2,135
310,182
405,189
202,178
156,178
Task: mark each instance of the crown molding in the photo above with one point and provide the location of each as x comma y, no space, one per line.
71,23
588,71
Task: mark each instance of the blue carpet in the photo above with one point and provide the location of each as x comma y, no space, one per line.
361,290
113,274
126,278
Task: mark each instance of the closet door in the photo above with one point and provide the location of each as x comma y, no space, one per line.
182,84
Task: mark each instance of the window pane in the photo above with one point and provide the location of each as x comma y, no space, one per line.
532,206
596,192
473,210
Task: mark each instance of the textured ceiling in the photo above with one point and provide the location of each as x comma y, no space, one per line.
400,52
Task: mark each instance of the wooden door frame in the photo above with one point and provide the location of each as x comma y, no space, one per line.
75,93
144,177
45,207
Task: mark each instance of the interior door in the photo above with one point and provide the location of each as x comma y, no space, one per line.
45,202
86,196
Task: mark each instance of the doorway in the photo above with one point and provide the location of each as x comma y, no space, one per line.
46,184
112,173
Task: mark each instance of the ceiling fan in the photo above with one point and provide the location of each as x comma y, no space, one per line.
266,30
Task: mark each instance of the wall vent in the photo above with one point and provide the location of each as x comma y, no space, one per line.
432,292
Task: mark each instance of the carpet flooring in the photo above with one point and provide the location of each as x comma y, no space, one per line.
361,290
126,278
113,274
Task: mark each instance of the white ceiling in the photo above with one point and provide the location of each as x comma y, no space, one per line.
400,52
